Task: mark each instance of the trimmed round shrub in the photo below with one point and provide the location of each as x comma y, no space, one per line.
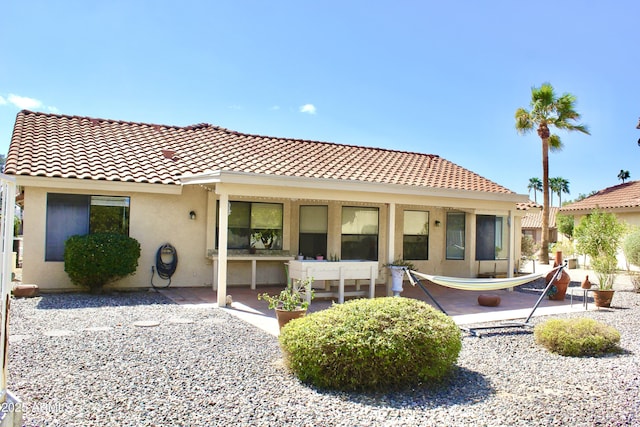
94,260
577,337
372,344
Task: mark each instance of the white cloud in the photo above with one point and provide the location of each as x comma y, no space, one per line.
3,101
275,108
23,102
308,108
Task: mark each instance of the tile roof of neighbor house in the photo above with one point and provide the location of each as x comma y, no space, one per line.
619,196
52,145
533,217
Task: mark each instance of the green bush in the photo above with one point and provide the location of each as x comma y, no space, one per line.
94,260
372,344
631,248
577,337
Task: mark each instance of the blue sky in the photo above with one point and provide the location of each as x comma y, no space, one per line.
434,77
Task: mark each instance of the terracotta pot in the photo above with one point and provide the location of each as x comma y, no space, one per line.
586,284
561,283
284,316
602,298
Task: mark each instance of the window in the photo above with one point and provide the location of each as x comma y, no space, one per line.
359,233
78,214
256,225
415,238
455,235
492,236
313,230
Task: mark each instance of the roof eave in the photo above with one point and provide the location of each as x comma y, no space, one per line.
234,177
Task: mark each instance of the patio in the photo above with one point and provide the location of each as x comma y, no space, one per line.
462,306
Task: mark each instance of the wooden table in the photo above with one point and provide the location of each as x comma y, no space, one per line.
336,270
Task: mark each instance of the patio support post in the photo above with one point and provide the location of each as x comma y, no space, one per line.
223,224
512,245
391,237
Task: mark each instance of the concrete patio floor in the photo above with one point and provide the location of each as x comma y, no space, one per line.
462,306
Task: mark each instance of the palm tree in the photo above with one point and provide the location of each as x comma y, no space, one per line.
624,175
558,186
536,185
548,110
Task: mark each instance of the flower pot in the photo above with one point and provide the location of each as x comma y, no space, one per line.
284,316
602,298
561,283
397,274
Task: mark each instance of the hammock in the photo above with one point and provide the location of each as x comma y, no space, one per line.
467,284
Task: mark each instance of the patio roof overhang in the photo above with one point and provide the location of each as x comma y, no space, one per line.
243,184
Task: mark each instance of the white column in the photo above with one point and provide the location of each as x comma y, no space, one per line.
391,237
512,244
223,224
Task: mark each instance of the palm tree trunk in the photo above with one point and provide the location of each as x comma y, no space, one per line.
544,244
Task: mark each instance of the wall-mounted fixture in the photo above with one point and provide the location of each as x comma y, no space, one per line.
192,215
437,223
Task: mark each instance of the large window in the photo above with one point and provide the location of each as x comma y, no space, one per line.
415,238
455,235
71,214
257,225
359,233
313,231
492,234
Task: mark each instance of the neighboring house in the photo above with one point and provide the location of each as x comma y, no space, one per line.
532,222
623,200
202,187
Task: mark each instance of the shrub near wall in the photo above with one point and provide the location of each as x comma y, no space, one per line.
94,260
372,344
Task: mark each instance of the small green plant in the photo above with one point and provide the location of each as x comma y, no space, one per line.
631,248
372,344
399,262
94,260
292,298
577,337
605,268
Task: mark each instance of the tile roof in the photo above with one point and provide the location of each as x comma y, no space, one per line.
51,145
619,196
533,218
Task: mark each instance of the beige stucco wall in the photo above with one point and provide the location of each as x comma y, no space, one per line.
157,218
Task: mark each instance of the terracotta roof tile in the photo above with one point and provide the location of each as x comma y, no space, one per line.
533,218
87,148
619,196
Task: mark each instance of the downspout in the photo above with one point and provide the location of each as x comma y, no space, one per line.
223,237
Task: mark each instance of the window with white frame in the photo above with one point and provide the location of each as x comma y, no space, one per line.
253,224
492,237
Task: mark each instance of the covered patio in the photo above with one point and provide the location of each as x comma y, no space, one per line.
462,306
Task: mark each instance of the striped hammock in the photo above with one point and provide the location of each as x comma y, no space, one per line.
467,284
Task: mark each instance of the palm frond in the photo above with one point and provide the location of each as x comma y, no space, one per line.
555,144
524,123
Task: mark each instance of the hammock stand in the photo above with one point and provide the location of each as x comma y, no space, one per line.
414,279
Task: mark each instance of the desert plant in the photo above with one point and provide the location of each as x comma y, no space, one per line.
631,247
565,224
598,235
94,260
577,337
372,344
292,298
527,246
399,262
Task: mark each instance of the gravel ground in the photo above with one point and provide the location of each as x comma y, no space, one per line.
79,360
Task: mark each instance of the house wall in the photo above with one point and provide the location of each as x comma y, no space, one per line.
155,219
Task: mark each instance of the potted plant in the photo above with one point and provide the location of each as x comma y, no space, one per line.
397,268
292,302
598,235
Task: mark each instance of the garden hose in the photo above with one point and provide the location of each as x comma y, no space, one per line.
165,269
